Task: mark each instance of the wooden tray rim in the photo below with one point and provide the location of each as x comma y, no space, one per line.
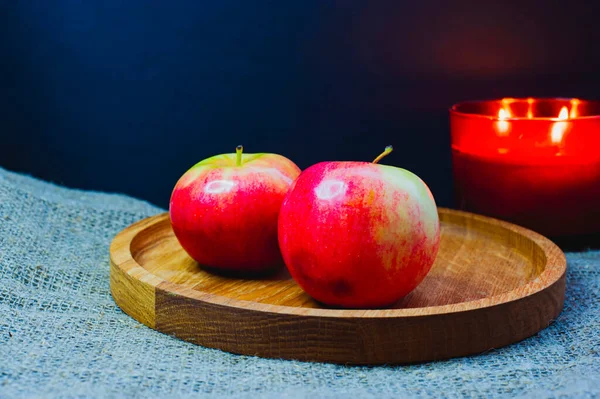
553,272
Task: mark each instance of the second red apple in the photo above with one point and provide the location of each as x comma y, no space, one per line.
358,234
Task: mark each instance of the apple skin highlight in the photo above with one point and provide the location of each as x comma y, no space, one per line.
224,210
358,234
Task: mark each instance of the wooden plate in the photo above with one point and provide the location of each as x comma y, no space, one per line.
493,284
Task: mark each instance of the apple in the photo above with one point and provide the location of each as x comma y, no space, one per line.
358,234
224,210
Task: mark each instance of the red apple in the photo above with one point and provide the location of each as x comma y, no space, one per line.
224,210
358,234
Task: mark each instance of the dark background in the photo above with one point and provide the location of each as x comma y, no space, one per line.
123,95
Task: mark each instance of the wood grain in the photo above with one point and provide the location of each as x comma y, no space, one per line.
493,283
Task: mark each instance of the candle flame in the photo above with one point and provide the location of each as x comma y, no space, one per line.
502,125
530,108
558,130
574,105
564,113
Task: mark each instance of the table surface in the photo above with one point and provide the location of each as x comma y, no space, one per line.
62,334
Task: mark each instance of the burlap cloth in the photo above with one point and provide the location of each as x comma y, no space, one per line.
61,334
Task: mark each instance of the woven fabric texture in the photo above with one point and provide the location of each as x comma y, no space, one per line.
61,334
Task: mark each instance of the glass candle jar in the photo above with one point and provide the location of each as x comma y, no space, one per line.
533,162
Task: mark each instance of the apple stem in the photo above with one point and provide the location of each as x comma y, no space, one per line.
387,150
238,157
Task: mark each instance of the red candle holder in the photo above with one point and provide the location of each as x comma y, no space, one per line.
533,162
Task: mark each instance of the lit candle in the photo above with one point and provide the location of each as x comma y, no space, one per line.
534,162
